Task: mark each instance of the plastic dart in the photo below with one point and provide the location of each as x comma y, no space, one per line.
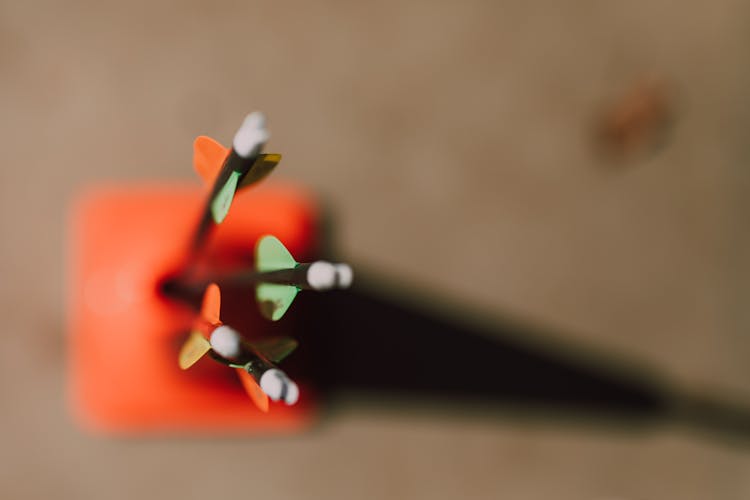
228,170
281,277
255,363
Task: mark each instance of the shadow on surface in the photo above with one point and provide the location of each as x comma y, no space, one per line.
371,343
368,343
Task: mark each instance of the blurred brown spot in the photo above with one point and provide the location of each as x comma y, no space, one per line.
268,307
639,121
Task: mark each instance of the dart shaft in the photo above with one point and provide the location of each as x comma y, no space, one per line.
187,288
233,163
258,365
250,360
296,276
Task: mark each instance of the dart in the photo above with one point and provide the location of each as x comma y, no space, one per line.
281,277
255,363
229,170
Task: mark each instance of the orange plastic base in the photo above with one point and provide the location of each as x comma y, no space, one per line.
125,335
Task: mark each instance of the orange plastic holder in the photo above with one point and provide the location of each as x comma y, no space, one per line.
124,335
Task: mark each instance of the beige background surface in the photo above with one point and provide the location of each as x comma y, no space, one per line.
450,136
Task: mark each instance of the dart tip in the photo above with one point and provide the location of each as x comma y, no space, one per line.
292,393
278,386
344,275
321,275
226,342
251,134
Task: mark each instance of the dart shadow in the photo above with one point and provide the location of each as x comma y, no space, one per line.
373,345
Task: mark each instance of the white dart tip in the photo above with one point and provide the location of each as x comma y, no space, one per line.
252,133
272,383
321,275
344,275
255,119
278,386
292,393
226,342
